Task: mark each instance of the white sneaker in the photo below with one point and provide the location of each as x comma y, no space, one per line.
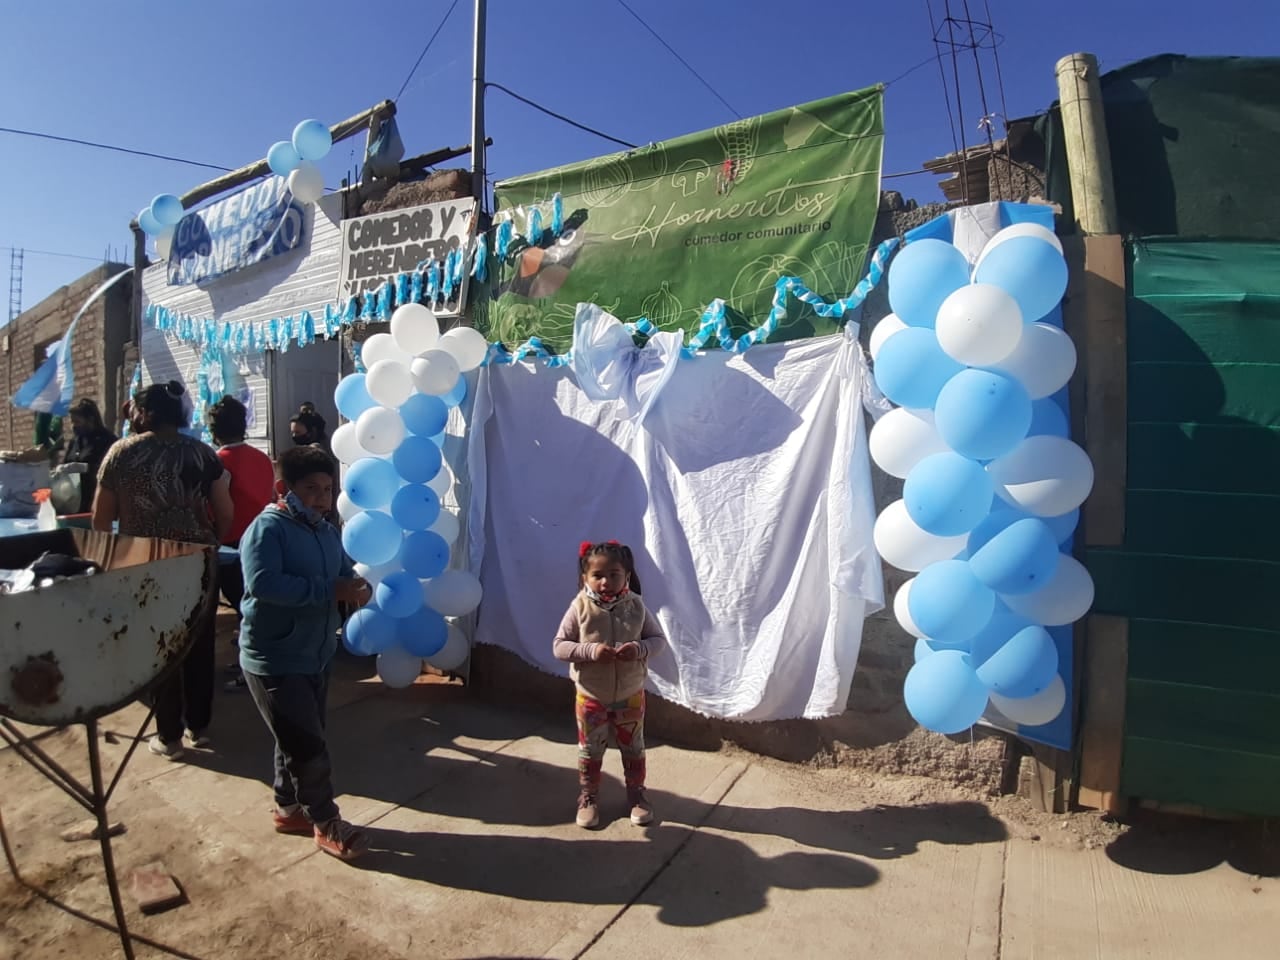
199,739
170,751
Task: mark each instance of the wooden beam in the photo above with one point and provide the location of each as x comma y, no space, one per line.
1105,673
254,171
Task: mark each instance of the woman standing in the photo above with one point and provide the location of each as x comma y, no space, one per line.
90,441
162,484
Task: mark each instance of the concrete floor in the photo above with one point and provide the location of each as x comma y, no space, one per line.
474,855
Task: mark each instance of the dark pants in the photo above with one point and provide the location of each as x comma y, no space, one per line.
293,706
185,698
231,583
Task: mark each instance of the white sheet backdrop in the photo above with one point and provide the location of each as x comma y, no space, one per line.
745,493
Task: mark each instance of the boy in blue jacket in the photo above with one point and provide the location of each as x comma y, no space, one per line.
295,575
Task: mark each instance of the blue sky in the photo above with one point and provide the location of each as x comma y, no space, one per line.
172,78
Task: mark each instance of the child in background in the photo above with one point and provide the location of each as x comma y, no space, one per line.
296,574
607,636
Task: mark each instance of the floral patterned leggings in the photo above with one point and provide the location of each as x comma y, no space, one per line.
599,725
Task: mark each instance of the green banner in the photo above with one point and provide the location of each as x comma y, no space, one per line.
662,230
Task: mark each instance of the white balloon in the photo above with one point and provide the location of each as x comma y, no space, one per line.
414,328
882,331
398,667
375,575
1045,476
467,345
1035,711
979,325
454,593
435,372
1020,230
903,612
345,445
164,242
902,438
442,482
379,430
306,182
389,383
382,346
454,653
904,545
346,509
447,526
1064,599
1043,361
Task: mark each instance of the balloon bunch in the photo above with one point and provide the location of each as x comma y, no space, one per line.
394,526
296,159
158,220
992,484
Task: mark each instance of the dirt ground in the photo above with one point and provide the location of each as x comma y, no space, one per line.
202,820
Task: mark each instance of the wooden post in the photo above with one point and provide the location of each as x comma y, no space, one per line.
1084,130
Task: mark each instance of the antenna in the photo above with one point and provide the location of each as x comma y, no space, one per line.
15,283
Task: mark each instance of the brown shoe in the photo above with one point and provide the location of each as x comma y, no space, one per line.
341,839
641,811
588,815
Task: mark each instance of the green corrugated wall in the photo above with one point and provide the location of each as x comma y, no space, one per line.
1199,573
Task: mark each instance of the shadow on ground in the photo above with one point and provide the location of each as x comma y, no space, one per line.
1169,845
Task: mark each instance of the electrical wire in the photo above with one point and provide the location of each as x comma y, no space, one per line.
561,117
687,65
417,63
55,253
108,146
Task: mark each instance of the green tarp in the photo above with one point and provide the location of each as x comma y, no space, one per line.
1198,572
662,230
1193,147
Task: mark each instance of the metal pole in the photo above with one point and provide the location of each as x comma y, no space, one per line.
104,836
477,108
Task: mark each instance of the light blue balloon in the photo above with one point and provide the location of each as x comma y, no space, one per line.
399,594
282,158
1004,623
1064,525
922,649
949,604
1019,559
1048,419
351,397
312,140
438,439
371,538
943,693
459,393
1024,666
417,459
148,222
921,276
423,633
368,632
981,414
424,415
425,554
947,495
911,368
371,483
415,507
1030,270
167,209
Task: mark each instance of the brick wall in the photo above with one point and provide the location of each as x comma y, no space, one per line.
97,351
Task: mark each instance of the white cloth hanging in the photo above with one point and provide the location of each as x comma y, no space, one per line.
741,482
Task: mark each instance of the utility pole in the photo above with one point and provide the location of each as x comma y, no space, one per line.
477,108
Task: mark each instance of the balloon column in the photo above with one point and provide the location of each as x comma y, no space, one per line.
394,526
992,484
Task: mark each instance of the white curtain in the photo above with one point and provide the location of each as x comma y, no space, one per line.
741,482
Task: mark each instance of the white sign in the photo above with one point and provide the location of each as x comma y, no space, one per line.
380,247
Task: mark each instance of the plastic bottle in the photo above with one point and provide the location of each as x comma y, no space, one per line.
47,517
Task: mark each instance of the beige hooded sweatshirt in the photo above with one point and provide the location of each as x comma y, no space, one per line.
588,623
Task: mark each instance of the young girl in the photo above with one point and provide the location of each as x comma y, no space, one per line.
607,636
